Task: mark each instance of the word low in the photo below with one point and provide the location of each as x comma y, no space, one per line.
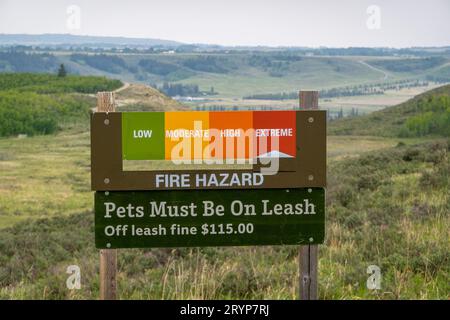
142,134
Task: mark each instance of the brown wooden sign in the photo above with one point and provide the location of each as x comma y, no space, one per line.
116,139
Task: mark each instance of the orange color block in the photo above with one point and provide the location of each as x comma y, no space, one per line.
235,130
186,135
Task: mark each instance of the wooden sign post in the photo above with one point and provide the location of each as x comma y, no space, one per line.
308,255
108,257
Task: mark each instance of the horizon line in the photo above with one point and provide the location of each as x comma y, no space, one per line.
225,45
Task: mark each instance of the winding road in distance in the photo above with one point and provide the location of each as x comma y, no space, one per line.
385,74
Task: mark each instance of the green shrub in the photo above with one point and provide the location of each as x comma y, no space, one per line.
41,103
424,115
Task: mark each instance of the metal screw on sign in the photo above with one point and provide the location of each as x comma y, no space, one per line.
310,177
309,190
108,245
311,239
310,119
106,122
106,193
106,180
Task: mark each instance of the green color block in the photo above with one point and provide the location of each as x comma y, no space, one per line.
143,136
198,218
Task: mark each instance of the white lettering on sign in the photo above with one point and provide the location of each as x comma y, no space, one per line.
139,134
172,180
283,132
148,231
209,180
122,212
238,208
208,208
230,133
288,209
183,133
228,179
163,210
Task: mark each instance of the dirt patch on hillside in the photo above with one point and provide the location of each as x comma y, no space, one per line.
139,97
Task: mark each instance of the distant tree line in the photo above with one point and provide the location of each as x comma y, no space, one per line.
433,117
157,67
236,108
273,96
334,115
439,78
408,65
18,61
348,91
183,90
275,64
157,49
108,63
441,75
206,64
50,83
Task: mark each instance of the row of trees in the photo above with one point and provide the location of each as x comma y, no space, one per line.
409,65
31,113
334,115
183,90
17,61
157,67
206,64
52,83
442,75
108,63
359,90
433,118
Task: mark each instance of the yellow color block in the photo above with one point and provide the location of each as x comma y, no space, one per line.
186,135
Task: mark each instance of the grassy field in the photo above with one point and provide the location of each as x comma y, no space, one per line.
427,113
44,176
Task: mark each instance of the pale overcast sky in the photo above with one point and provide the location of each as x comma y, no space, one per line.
332,23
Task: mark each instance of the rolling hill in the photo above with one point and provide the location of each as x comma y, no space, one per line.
233,74
425,114
81,40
